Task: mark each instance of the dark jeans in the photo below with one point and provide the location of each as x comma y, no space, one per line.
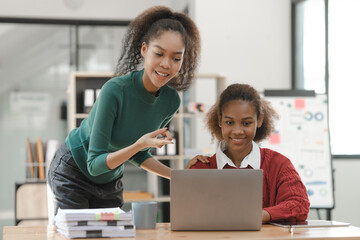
73,190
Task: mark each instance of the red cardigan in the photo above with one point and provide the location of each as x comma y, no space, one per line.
284,194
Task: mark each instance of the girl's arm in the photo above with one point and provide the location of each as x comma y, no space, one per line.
292,202
154,166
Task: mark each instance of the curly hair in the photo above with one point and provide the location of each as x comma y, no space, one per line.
148,26
246,93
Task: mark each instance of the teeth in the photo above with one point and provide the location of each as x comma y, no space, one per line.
237,140
162,74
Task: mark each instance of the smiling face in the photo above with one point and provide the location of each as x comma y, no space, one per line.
163,57
238,125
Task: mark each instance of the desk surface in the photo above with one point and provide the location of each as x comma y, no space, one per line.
163,232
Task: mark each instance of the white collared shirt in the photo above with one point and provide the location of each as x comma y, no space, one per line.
253,159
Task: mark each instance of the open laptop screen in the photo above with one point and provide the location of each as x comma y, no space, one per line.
212,199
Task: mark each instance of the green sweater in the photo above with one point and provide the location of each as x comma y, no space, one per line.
123,112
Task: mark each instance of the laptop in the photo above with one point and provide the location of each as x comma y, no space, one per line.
212,199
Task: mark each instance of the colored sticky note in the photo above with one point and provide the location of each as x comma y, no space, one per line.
299,103
274,138
107,216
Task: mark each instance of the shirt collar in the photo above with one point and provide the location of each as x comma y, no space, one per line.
253,159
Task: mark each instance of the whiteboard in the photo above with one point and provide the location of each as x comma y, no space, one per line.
302,135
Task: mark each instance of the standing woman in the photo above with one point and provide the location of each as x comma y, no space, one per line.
159,57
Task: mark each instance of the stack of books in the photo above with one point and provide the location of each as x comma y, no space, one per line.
95,223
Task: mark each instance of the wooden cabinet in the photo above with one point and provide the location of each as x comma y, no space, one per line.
80,81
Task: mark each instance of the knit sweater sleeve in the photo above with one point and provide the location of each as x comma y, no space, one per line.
291,200
103,121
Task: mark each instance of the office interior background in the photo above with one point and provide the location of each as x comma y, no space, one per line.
277,44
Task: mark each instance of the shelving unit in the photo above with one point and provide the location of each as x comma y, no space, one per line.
83,80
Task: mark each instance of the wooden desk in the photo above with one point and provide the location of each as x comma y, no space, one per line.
163,232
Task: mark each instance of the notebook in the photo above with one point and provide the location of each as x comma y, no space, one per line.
212,199
311,224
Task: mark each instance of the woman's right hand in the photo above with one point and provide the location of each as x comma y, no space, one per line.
200,158
157,139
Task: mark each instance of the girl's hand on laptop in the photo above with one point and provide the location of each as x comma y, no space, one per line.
265,216
201,158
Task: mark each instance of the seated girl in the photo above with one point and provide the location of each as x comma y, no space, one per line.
239,120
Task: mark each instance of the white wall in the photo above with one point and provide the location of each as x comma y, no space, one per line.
248,40
347,191
77,9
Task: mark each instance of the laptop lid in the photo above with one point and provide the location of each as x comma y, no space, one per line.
212,199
